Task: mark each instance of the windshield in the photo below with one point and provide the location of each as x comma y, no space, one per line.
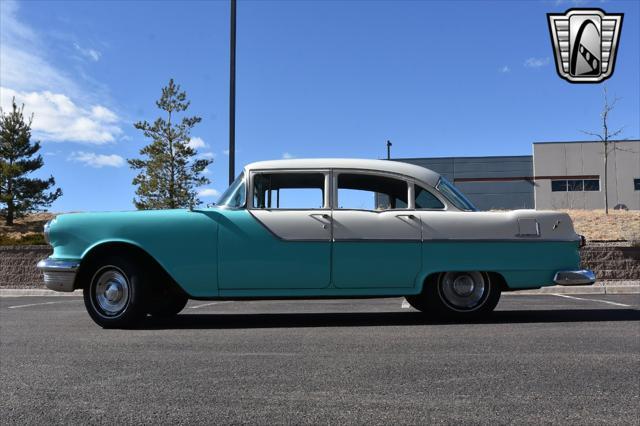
235,196
455,196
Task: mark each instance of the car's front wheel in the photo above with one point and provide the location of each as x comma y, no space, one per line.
116,294
167,302
467,294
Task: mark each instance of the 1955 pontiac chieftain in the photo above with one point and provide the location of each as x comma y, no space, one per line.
317,228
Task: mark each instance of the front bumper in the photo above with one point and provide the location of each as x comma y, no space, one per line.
581,277
59,275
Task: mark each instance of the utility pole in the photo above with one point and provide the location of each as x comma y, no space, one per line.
232,93
389,150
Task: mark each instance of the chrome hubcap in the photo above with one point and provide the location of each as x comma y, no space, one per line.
463,290
463,286
111,291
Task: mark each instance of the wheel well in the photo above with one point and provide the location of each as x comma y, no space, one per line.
127,250
493,276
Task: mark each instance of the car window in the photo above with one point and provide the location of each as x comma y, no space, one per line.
456,197
235,195
288,190
371,192
426,200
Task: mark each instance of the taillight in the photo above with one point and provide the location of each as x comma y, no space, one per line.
583,241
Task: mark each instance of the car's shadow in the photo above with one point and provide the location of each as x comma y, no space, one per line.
381,319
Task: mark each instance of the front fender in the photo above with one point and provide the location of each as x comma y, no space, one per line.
183,242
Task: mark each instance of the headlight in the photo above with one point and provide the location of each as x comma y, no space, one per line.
46,231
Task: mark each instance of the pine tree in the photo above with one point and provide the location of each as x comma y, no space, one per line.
18,193
169,171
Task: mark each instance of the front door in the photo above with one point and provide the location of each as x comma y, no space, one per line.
376,237
283,239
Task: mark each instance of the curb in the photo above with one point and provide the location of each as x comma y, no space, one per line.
28,292
616,287
623,287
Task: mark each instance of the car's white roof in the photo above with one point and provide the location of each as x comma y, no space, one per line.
417,172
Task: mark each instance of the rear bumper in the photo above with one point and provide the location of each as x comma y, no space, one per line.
580,277
59,275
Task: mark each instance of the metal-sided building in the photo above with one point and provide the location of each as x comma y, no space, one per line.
570,175
489,182
559,175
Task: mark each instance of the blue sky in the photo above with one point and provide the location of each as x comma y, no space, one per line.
314,79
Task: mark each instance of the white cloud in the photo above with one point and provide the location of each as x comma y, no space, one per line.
196,143
505,69
225,151
97,160
286,155
537,62
58,118
209,192
24,63
207,155
206,171
104,114
92,54
62,108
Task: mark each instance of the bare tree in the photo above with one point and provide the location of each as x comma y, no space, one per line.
606,137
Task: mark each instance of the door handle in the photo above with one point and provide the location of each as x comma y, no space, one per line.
410,216
323,215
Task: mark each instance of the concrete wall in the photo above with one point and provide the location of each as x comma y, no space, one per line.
489,182
18,266
581,159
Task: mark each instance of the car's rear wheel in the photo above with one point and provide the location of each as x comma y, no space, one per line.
116,294
466,294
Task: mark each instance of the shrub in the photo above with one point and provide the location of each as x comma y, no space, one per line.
31,239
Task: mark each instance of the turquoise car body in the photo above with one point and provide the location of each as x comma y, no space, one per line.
226,253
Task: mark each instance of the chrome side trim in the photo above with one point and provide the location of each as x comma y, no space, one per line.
581,277
59,275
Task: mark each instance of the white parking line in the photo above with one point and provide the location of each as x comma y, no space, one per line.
405,305
37,304
591,300
209,304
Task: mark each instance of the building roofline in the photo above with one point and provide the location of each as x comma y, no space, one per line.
615,140
461,157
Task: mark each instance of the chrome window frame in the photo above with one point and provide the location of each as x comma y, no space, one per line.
245,178
326,202
410,181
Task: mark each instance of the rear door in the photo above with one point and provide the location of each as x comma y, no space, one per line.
377,236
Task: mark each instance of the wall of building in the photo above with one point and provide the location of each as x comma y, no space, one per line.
489,182
584,160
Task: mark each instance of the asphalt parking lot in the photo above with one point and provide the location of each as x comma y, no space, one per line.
539,359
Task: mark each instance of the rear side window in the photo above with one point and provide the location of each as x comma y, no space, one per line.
361,191
288,190
426,200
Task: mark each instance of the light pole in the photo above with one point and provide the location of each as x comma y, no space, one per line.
232,93
389,150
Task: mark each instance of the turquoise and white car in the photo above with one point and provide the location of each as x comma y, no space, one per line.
315,228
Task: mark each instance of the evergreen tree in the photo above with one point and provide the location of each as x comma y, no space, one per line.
18,193
169,171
